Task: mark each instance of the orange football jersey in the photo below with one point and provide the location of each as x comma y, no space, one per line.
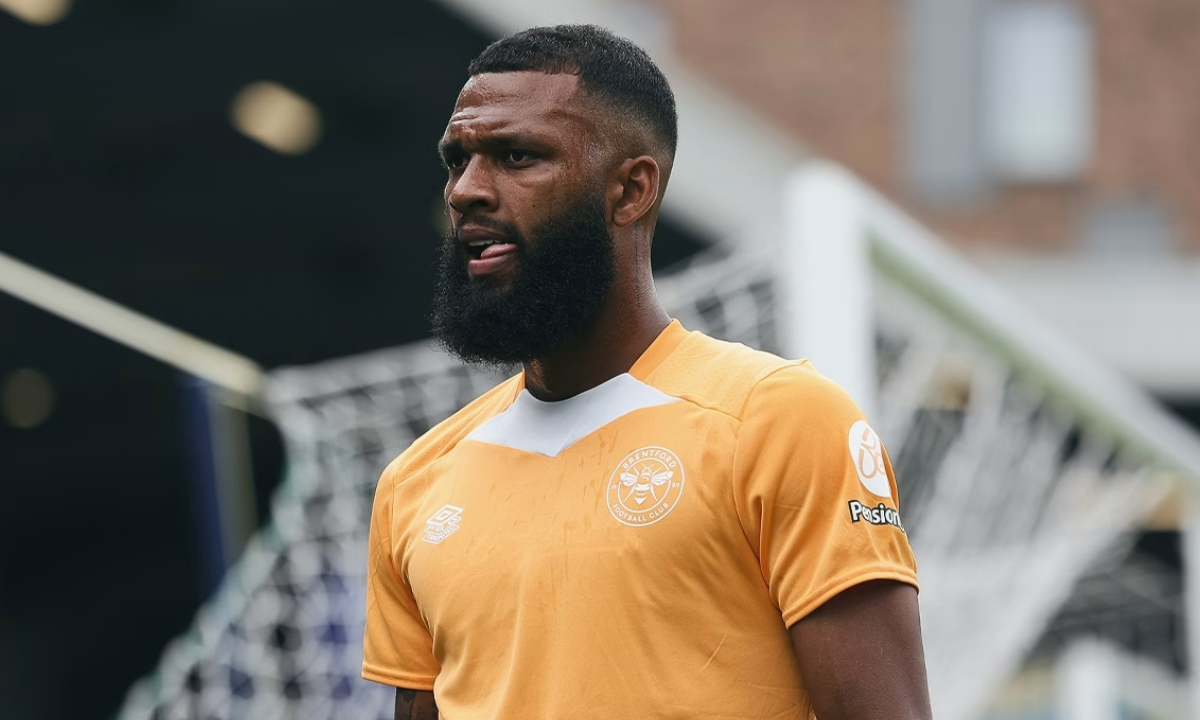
637,551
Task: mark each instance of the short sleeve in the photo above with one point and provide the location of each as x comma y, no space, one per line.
397,646
815,493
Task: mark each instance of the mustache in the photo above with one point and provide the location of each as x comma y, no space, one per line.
507,229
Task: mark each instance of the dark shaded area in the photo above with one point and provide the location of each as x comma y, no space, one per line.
120,171
96,555
1136,600
1165,546
1133,600
1186,409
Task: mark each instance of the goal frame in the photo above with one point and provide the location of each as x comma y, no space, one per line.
838,232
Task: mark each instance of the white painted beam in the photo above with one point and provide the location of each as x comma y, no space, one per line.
227,370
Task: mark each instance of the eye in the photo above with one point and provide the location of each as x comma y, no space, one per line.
517,156
455,161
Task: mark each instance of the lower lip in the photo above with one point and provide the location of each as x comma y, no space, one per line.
499,257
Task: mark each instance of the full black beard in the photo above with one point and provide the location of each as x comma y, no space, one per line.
563,275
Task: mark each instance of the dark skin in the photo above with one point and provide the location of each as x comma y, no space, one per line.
415,705
519,146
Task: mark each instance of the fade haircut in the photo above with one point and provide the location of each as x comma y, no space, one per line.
610,69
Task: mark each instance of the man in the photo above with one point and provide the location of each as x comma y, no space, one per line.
646,522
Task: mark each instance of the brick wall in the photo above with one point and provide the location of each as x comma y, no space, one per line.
833,73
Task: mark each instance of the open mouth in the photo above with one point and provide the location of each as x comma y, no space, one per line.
490,255
483,249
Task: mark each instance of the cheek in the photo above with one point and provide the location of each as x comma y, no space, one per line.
531,203
533,197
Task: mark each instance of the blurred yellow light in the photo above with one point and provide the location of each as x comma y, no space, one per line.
26,398
276,117
37,12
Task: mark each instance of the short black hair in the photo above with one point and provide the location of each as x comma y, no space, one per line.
609,67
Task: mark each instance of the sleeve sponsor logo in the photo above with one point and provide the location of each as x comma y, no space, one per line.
866,452
879,515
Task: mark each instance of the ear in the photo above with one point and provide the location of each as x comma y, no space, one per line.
633,190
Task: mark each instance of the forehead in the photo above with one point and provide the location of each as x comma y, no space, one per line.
520,102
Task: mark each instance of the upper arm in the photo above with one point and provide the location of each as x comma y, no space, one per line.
815,493
818,501
860,655
397,646
415,705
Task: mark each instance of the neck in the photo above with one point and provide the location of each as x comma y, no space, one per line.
625,326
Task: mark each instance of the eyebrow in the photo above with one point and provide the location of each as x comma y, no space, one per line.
498,141
446,147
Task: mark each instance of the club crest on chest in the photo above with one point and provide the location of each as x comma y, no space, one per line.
645,486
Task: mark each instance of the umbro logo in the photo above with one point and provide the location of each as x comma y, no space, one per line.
442,524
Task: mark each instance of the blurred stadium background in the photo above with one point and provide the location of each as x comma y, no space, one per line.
981,216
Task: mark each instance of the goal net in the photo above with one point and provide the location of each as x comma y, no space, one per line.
1022,471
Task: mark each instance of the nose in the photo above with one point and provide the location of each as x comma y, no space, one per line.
473,190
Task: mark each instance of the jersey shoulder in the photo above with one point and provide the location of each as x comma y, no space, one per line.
722,375
441,438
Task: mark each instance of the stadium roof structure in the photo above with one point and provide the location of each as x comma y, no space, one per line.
240,377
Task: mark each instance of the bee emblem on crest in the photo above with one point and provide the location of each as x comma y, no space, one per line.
644,483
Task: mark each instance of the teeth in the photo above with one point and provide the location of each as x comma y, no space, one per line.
481,243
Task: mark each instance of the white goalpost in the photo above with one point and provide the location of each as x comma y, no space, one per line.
1055,460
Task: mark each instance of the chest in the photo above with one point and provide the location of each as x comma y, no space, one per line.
642,507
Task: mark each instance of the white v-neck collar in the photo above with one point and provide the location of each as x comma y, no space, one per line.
548,428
